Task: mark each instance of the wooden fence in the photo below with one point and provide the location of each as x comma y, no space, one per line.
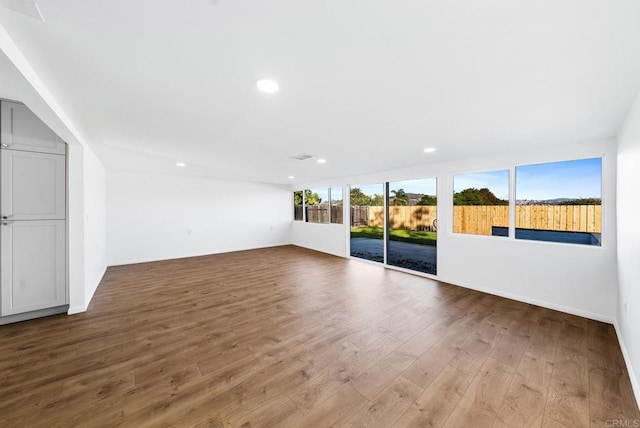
479,219
320,214
360,216
573,218
418,217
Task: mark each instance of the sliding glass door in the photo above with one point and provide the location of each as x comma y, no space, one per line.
367,222
400,218
412,225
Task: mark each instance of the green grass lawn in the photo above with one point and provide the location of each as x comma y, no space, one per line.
413,236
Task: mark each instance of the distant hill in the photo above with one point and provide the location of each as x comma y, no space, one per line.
560,201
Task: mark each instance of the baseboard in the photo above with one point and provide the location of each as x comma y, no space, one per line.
76,309
532,301
332,253
188,256
9,319
97,281
627,360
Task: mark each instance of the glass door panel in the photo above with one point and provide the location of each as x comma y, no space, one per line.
367,222
412,225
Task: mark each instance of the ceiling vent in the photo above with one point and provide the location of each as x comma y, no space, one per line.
26,7
302,157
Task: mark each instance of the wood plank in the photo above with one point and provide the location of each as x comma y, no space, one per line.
435,404
387,407
481,402
276,413
266,338
568,401
336,410
524,403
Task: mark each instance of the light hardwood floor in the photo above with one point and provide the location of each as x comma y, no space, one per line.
293,338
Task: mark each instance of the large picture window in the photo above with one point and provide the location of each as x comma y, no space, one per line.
335,195
481,203
297,205
317,205
560,201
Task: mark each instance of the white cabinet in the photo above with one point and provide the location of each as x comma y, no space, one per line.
33,186
20,129
33,265
33,239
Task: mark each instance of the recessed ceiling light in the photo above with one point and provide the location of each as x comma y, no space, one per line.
181,164
430,150
321,160
268,86
291,177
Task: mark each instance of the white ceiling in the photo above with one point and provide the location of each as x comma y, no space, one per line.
365,84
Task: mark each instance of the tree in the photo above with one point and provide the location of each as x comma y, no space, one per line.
377,200
473,196
358,198
428,200
400,197
312,198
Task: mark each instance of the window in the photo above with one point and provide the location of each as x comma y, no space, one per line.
335,196
297,205
560,202
481,203
317,205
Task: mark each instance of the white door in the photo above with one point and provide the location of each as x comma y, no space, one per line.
33,186
20,129
33,265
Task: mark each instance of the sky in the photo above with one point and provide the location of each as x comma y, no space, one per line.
370,189
570,179
323,192
573,179
496,181
425,186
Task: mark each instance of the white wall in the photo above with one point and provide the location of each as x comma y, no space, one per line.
158,216
572,278
95,224
327,238
628,320
87,226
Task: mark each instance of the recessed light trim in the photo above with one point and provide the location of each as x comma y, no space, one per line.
321,160
268,86
181,164
291,177
430,150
